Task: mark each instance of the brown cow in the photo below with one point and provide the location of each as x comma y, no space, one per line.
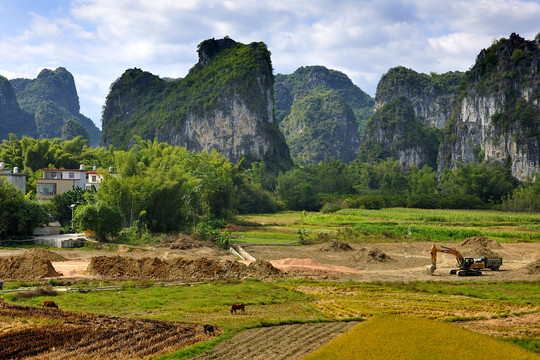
238,306
50,304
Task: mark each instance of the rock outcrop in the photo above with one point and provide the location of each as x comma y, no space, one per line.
224,103
490,113
498,115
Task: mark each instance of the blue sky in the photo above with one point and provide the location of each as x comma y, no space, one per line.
97,40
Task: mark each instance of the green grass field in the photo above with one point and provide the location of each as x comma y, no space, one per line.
396,225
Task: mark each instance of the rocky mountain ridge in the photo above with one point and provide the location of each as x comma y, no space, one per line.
225,103
490,113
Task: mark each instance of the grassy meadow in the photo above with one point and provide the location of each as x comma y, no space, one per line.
390,225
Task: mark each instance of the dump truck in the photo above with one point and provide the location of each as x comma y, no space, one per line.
468,266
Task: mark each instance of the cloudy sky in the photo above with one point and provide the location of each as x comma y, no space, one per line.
96,40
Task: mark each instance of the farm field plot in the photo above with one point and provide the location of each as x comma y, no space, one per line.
35,333
277,342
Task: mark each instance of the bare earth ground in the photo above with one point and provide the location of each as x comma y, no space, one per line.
362,262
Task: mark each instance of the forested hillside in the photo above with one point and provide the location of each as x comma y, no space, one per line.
52,101
322,114
224,103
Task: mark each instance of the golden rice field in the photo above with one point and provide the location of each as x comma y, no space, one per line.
396,337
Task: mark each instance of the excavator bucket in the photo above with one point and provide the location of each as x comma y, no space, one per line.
431,269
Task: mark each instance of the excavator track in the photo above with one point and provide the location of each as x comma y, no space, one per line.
469,273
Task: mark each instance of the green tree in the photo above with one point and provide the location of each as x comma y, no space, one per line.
19,216
100,217
296,190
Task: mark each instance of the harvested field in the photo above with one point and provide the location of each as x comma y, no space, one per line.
289,342
58,334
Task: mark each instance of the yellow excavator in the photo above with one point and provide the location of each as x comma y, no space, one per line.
467,266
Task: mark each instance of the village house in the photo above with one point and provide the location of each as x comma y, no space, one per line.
58,181
15,178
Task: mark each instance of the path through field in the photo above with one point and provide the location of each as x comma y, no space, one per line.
278,342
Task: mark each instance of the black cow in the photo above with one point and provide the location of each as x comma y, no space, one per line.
209,329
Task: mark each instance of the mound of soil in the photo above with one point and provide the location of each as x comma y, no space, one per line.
336,245
310,266
480,251
181,242
371,255
177,268
480,241
533,268
43,254
26,268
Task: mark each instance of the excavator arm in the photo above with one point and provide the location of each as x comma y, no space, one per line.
443,249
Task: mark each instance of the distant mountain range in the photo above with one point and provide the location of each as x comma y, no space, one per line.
231,102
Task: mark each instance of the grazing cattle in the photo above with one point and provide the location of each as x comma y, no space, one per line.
238,306
209,329
50,304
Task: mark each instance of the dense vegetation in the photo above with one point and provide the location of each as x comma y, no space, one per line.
317,108
51,99
162,188
320,126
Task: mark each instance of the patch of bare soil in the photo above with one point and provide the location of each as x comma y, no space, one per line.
288,342
26,268
72,335
336,245
519,326
181,242
122,267
533,268
310,266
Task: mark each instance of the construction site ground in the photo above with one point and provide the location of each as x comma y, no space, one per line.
333,261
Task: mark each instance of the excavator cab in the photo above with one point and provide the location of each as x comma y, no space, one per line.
467,263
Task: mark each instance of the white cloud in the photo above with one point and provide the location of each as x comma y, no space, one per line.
98,39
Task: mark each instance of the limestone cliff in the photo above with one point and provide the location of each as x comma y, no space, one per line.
432,96
224,103
489,113
498,115
319,127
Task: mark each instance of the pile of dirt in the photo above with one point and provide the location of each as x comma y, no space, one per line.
180,242
481,242
371,255
481,251
310,266
178,268
533,268
43,254
26,268
336,245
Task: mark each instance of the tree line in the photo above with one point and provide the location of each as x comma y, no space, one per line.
160,188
